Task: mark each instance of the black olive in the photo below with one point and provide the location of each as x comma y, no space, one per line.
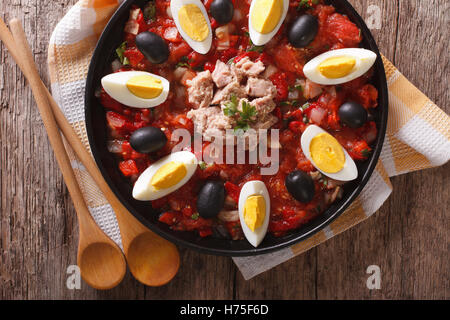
303,31
148,139
153,47
211,199
222,11
301,186
353,114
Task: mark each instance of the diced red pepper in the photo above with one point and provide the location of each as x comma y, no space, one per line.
134,56
228,54
116,120
109,103
169,218
279,80
297,126
128,168
196,59
233,191
253,55
210,66
205,232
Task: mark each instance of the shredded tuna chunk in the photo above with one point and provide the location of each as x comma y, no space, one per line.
265,122
211,122
222,75
224,95
247,68
201,90
264,105
260,88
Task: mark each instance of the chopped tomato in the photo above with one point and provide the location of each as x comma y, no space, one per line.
134,56
177,51
128,168
289,58
110,103
233,191
279,80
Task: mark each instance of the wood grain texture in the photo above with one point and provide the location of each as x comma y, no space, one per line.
407,238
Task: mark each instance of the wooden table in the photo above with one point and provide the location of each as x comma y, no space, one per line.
407,238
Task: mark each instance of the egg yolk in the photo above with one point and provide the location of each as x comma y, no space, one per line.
337,67
266,15
254,211
145,87
327,154
169,175
193,22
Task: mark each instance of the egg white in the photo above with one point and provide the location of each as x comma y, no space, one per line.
260,39
115,84
348,173
252,188
144,191
201,47
365,59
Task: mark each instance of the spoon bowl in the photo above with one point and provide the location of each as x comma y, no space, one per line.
102,264
150,268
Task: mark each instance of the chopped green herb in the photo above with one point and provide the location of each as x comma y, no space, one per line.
231,107
150,11
305,106
202,165
231,61
120,51
365,153
290,103
182,65
259,49
306,4
305,119
195,216
245,116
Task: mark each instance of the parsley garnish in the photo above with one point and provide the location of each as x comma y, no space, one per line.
150,11
231,107
195,216
184,62
120,53
290,103
307,4
231,61
259,49
245,116
202,165
365,153
305,106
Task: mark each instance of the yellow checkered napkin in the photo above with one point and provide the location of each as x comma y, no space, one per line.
418,134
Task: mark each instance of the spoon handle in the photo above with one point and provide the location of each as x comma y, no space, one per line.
22,52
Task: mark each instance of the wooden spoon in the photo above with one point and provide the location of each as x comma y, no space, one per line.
100,260
152,260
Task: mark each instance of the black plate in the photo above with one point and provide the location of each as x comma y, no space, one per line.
96,128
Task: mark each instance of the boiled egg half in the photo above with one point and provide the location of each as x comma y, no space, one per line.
193,23
254,211
339,66
265,19
165,176
136,89
328,155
